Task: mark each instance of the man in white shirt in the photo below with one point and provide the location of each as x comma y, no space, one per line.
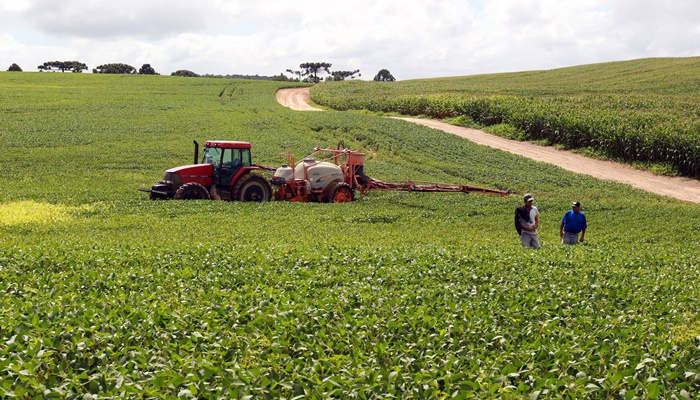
528,226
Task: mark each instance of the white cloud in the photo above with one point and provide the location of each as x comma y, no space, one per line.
14,5
411,38
97,19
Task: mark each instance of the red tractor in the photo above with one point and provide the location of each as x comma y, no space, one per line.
226,172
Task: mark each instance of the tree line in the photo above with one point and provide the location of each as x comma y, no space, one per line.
77,67
115,68
308,72
311,71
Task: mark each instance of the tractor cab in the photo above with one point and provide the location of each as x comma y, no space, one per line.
226,159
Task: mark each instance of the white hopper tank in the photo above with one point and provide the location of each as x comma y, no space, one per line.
319,174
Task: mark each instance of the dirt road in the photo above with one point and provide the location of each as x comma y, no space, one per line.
296,99
680,188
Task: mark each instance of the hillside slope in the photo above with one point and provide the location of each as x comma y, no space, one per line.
107,294
644,112
680,188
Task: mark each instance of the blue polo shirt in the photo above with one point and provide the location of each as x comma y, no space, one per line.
573,222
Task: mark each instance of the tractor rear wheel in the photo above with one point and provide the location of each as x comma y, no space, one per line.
252,187
192,191
340,192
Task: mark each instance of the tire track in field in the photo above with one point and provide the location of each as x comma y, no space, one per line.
685,189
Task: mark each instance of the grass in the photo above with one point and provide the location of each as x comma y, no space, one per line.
407,295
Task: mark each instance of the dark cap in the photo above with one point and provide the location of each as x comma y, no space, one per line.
575,204
528,198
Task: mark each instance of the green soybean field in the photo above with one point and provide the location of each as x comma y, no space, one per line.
400,295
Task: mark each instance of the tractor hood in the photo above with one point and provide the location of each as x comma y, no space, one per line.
200,173
194,170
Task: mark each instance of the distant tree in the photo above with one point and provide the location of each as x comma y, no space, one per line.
297,73
384,76
248,77
146,69
63,66
281,78
342,75
311,70
15,67
114,69
184,72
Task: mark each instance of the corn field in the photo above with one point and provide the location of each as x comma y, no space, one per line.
629,119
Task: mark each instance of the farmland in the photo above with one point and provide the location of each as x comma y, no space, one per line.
644,111
397,295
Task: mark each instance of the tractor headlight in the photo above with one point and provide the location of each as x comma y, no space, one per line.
172,179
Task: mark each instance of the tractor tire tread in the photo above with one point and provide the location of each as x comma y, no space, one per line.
186,191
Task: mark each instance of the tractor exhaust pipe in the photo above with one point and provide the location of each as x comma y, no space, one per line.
196,151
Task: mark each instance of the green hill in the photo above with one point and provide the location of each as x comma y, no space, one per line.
406,295
642,111
653,76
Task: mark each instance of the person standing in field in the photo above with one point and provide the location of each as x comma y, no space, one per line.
527,219
573,223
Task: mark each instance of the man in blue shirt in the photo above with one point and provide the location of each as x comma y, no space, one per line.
573,223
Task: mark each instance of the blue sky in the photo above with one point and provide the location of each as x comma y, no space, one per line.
410,38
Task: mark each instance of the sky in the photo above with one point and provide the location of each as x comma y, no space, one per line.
412,39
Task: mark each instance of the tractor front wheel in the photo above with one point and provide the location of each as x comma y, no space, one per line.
340,192
252,187
192,191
